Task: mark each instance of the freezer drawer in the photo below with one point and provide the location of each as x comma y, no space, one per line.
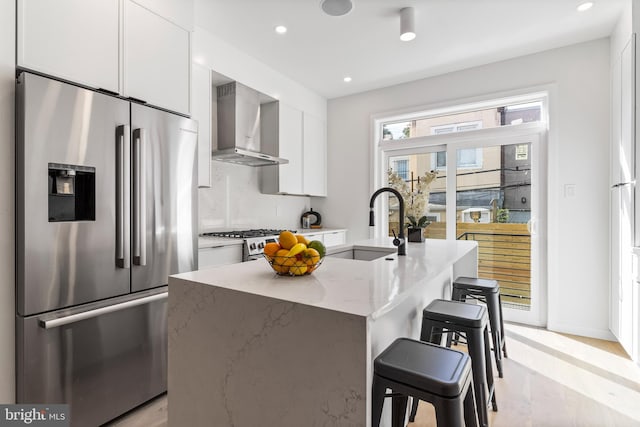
101,359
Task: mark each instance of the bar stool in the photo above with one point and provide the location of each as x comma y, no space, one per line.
471,321
435,374
487,291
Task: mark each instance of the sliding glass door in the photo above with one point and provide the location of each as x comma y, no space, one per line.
499,204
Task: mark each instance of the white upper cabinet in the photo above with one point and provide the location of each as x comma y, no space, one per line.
201,88
301,139
145,55
156,59
281,133
314,156
76,40
179,12
291,149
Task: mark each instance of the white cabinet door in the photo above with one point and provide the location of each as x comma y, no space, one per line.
222,255
201,98
335,238
311,237
314,156
76,40
290,147
156,59
179,12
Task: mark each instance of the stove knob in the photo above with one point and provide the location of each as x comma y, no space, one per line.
261,245
252,246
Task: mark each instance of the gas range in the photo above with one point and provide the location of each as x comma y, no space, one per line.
254,240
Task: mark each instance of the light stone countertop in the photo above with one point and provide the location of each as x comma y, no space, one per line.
362,288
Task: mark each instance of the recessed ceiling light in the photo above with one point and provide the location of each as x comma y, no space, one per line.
347,79
281,29
336,7
584,6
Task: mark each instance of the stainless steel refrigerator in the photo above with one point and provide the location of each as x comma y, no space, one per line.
105,211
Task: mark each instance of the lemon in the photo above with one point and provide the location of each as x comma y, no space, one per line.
298,268
296,249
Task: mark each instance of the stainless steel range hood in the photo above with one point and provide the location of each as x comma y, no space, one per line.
239,120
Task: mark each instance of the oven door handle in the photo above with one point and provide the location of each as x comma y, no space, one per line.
61,321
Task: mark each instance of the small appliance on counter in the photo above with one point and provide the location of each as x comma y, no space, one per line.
311,219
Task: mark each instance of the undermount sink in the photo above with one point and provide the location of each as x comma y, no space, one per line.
359,254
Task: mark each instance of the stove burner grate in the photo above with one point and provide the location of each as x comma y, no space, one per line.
244,234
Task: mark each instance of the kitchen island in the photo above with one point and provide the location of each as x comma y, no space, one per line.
250,348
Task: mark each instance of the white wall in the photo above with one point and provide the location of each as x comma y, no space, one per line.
234,199
578,231
7,207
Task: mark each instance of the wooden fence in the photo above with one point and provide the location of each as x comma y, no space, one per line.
504,254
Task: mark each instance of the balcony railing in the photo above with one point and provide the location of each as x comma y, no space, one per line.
505,257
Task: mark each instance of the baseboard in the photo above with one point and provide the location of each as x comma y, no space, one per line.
602,334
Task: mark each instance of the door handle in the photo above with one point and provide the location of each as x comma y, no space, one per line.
61,321
123,185
139,199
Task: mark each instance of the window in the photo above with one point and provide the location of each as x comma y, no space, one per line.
467,158
456,127
401,168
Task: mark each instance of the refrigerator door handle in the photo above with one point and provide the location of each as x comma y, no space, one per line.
123,185
139,201
54,323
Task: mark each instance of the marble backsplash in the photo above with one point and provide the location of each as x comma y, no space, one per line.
234,201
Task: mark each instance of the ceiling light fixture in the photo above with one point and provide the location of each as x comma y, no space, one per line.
584,6
336,7
281,29
407,24
347,79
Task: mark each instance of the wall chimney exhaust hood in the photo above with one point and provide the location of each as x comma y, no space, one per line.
239,122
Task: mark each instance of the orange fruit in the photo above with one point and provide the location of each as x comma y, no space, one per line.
279,260
271,248
302,239
287,239
311,256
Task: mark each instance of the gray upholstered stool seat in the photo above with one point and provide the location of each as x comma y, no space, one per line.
487,291
470,320
429,372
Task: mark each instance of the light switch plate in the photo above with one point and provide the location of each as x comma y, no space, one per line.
569,190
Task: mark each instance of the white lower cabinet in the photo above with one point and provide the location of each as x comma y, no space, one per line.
220,255
328,238
335,238
317,236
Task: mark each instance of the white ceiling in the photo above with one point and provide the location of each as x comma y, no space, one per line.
319,50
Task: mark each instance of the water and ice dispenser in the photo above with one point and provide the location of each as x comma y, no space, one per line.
72,191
